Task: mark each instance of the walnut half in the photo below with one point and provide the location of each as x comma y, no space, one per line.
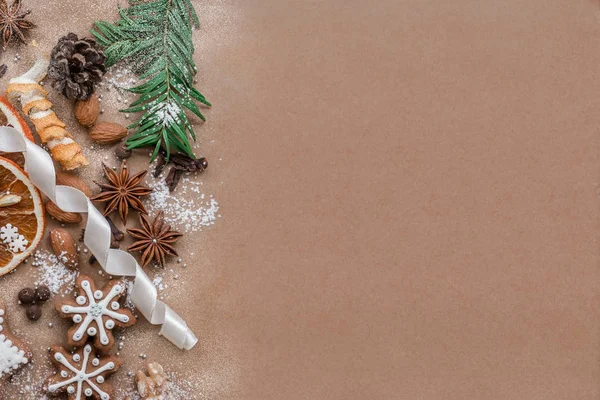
152,386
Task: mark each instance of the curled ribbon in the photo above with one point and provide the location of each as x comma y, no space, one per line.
40,168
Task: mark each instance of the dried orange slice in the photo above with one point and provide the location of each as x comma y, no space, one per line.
21,216
12,118
9,116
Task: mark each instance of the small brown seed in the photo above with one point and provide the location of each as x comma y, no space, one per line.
122,151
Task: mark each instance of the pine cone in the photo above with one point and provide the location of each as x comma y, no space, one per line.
76,65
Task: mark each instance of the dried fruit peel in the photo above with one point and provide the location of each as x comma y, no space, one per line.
27,215
33,98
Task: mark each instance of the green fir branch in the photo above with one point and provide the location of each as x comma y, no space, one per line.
155,38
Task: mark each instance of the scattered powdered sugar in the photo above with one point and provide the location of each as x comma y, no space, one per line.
27,380
52,272
119,77
129,290
191,214
159,283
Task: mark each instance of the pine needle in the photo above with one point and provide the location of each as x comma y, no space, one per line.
156,38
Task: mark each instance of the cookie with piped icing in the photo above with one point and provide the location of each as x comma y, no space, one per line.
13,353
95,312
81,374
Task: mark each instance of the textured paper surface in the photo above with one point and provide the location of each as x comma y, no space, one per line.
409,197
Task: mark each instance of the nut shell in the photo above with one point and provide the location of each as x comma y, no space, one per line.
62,216
64,247
153,385
63,178
107,132
87,111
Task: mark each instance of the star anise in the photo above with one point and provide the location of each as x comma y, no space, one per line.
13,22
122,191
154,239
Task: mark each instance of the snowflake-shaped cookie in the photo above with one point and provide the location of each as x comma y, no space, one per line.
82,374
13,353
95,313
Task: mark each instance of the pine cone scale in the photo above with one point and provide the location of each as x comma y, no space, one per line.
75,66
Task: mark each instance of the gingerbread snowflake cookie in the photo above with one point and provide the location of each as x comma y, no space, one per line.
82,374
13,353
95,313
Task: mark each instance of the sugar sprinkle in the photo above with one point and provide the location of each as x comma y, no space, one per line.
52,272
189,214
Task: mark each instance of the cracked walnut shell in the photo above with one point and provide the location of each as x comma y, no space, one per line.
152,386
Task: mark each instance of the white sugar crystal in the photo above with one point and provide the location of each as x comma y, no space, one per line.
183,212
52,272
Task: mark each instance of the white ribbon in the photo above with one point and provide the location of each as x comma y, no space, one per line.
40,168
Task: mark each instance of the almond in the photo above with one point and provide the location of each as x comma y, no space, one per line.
107,132
64,247
87,111
62,216
66,179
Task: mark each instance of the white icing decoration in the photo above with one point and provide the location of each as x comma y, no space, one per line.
10,236
80,375
94,311
11,357
95,362
97,235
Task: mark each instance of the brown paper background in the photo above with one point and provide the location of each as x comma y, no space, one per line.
409,192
